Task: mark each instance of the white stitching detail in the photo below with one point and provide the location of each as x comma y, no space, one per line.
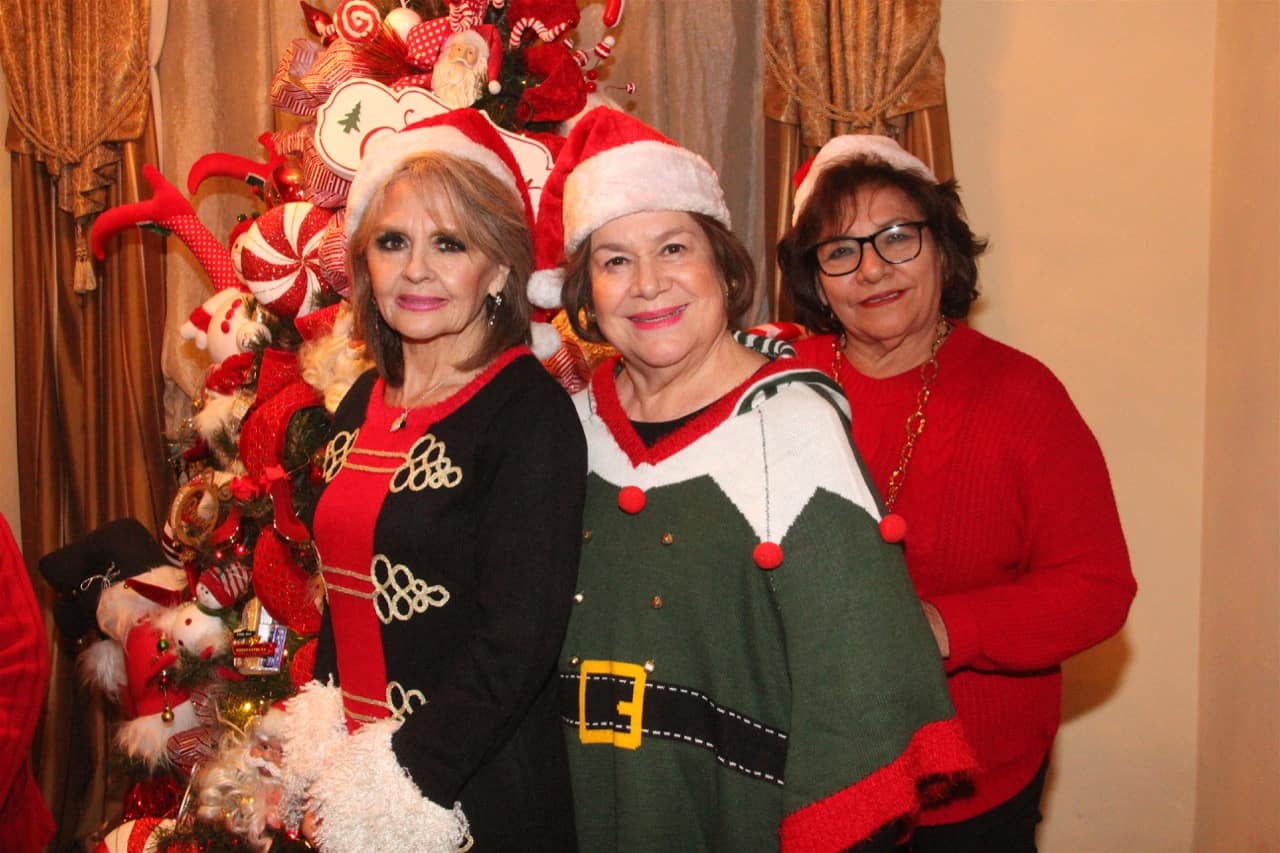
619,727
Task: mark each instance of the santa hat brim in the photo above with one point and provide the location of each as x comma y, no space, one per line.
637,177
389,152
850,147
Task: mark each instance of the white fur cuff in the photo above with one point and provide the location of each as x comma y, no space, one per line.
367,801
312,729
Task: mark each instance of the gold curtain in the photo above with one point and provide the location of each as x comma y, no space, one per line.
848,66
78,80
89,388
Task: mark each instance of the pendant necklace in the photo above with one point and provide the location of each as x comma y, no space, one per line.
403,418
893,527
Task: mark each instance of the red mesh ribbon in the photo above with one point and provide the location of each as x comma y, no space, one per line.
282,586
157,797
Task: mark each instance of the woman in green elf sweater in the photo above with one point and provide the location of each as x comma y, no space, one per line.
746,667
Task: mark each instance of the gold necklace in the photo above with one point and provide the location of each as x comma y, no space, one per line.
893,527
403,417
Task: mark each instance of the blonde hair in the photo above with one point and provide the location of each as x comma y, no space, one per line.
490,218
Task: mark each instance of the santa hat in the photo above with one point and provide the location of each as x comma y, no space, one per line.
844,149
465,133
613,165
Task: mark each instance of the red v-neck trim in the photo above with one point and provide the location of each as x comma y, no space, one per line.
604,394
381,415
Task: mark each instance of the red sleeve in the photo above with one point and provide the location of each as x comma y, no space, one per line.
24,661
1076,584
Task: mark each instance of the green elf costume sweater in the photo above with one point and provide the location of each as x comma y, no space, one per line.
715,701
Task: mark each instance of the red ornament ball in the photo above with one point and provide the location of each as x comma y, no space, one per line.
768,555
631,499
893,528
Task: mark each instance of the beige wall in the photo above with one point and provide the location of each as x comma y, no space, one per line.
1082,136
8,418
1239,768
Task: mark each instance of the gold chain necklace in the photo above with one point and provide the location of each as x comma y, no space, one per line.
403,417
893,528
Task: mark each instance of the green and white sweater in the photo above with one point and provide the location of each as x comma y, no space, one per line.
730,707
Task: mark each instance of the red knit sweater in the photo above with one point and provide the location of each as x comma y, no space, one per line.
25,823
1012,533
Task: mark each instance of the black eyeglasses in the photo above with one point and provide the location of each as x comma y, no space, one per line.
896,244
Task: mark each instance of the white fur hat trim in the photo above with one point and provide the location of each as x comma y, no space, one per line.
636,177
388,152
850,147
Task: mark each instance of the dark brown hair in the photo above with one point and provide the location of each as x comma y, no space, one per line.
834,196
731,257
489,218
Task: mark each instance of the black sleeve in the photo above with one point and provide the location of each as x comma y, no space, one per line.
534,481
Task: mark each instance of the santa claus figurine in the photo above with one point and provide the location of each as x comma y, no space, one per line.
467,67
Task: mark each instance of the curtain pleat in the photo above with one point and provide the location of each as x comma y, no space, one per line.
89,391
90,446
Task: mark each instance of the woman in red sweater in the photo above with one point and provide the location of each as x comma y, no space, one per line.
1003,505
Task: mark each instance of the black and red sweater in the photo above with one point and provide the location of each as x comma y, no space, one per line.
449,550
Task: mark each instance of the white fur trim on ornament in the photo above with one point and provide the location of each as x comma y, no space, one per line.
545,340
120,607
636,177
388,152
144,738
102,664
544,288
850,147
366,800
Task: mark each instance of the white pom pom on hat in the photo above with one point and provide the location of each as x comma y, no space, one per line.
853,146
544,340
465,133
613,165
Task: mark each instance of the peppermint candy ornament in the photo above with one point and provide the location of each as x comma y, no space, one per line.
357,21
279,257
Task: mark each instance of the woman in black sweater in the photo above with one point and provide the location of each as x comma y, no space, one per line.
449,525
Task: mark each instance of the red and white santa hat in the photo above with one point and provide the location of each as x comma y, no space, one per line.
613,165
466,133
853,146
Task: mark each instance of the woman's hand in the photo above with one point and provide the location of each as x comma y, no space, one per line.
939,629
310,823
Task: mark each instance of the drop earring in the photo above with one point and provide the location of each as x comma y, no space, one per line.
492,303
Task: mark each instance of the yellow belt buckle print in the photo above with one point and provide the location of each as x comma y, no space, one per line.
633,709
